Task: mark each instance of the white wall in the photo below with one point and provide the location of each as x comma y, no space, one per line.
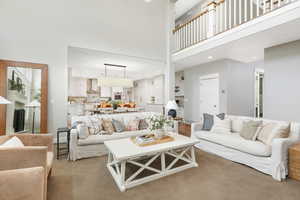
78,87
240,89
141,96
40,31
192,87
236,88
179,83
150,87
281,90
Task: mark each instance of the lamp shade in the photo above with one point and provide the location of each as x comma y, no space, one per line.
4,101
33,104
115,82
171,105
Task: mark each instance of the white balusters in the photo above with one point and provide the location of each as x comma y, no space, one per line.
234,12
240,11
220,16
217,19
257,7
246,10
230,13
225,15
197,29
272,4
265,6
204,26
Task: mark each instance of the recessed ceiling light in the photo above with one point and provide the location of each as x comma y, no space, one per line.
148,1
210,57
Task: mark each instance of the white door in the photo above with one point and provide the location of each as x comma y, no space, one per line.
209,94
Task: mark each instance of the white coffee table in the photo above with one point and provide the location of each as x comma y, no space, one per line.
124,151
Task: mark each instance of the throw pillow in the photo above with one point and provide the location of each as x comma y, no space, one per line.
13,142
271,131
236,125
208,122
265,131
96,125
133,125
249,129
75,124
83,131
221,116
93,132
108,126
118,125
221,126
143,124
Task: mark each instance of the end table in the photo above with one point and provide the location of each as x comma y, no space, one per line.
184,128
58,133
294,162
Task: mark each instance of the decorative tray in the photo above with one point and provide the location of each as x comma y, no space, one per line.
148,140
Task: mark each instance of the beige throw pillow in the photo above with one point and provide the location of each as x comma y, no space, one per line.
221,126
249,129
271,131
236,125
108,126
83,131
133,125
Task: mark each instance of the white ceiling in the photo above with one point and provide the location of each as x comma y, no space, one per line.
88,63
182,6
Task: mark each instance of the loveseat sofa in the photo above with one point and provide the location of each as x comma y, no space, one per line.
269,159
93,145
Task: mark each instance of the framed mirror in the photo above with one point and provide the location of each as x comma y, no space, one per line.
25,86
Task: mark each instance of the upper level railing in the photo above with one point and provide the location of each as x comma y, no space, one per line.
220,16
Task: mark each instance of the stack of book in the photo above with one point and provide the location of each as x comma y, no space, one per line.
145,139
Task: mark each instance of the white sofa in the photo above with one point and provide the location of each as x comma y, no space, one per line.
272,160
93,145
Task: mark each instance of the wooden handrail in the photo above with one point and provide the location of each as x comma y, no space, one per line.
220,2
194,18
199,15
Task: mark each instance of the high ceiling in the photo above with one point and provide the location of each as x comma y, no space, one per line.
88,63
182,6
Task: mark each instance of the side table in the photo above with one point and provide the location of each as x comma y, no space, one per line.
294,162
58,133
184,128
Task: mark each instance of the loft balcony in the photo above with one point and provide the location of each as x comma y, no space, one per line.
236,29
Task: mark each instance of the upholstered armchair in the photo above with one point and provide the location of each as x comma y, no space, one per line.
37,152
25,184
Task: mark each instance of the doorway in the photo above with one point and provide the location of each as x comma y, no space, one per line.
259,91
209,94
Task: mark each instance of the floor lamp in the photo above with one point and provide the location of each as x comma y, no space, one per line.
34,104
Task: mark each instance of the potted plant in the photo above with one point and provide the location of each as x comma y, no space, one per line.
157,124
115,104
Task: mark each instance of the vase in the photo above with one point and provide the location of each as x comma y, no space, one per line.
159,133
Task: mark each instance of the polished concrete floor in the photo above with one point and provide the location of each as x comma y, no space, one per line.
214,179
